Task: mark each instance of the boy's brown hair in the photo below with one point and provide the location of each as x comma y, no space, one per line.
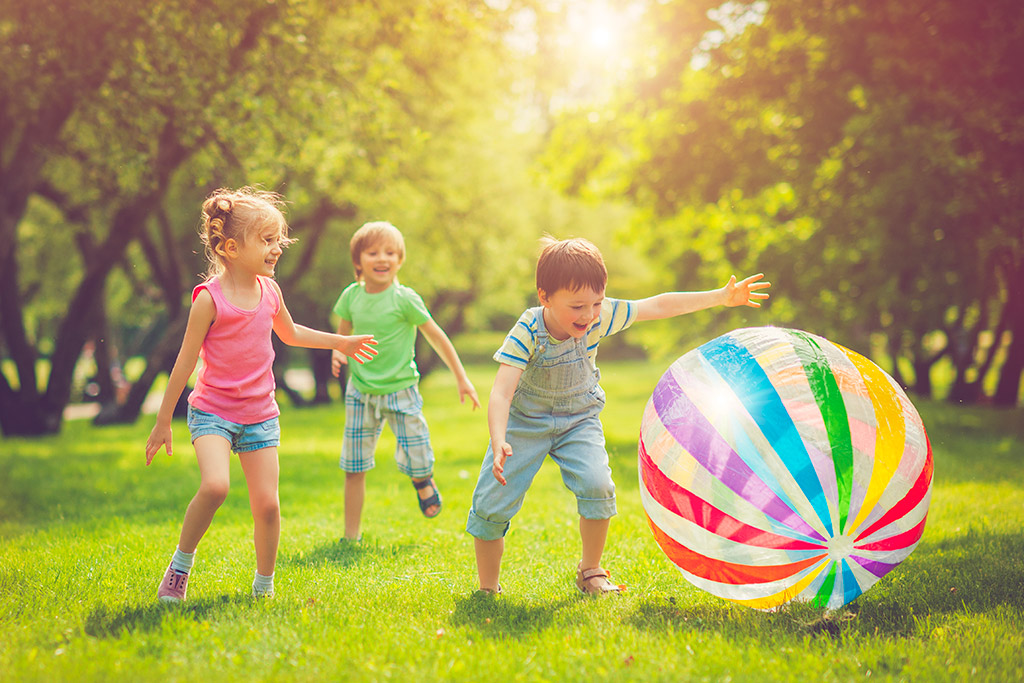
370,234
571,265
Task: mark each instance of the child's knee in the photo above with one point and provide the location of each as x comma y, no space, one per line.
266,509
214,491
594,484
595,497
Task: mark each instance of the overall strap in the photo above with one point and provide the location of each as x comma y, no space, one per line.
540,340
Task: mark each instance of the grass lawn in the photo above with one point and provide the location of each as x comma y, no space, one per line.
86,531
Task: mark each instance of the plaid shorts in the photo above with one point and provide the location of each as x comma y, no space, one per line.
364,422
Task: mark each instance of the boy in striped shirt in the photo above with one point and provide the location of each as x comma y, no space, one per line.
546,400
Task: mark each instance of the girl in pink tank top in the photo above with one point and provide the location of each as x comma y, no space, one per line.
232,407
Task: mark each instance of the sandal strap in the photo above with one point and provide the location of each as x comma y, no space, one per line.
595,580
594,573
431,500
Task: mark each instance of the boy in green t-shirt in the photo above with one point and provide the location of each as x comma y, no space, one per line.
387,387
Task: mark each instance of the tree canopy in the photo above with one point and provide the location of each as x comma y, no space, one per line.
866,155
868,152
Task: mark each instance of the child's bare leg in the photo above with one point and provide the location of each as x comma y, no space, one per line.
425,493
214,455
488,562
355,493
593,533
261,475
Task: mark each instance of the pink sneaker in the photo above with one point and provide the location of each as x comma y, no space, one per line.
173,585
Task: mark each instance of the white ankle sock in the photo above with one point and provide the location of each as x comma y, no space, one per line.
261,585
182,562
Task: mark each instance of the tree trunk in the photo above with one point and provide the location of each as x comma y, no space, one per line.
161,360
23,414
922,376
320,364
1008,390
128,222
22,411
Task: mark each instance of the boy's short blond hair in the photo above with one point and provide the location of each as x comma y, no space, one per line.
570,264
375,232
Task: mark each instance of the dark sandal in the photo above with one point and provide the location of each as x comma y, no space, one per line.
595,582
425,503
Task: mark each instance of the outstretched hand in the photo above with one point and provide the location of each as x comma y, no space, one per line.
358,346
745,292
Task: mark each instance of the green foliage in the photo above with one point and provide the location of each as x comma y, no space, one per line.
87,530
894,129
355,111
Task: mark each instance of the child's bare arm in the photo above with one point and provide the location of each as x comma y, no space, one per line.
743,293
359,346
200,317
505,383
441,344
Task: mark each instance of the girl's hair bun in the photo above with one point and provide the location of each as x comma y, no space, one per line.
217,205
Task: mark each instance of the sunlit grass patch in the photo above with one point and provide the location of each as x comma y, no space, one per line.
87,530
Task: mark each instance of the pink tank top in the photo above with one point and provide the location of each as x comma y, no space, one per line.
236,380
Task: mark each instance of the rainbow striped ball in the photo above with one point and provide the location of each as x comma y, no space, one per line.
777,466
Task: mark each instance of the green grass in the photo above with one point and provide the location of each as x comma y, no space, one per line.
86,531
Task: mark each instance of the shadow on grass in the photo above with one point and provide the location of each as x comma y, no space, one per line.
104,622
974,573
346,553
971,574
499,616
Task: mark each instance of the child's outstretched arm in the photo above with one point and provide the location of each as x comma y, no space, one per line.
200,317
440,342
746,292
359,346
505,383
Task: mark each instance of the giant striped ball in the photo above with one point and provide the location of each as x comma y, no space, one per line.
777,466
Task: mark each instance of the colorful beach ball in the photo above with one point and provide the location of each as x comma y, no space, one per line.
778,466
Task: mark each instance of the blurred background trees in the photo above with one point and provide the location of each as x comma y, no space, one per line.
866,155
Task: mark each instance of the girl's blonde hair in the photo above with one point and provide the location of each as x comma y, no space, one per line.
375,232
238,215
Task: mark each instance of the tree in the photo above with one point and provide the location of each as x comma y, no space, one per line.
76,145
353,110
879,142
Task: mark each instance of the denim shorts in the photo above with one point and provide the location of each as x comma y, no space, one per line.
243,438
574,441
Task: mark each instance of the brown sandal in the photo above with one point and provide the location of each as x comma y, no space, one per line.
595,582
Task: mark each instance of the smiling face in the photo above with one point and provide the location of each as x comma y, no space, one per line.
378,265
570,313
261,249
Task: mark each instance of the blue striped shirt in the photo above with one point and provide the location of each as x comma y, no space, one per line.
616,315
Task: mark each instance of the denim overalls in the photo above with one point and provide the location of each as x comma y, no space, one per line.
555,410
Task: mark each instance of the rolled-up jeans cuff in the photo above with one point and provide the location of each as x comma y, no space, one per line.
485,530
596,508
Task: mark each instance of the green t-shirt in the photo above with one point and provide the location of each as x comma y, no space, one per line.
392,317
